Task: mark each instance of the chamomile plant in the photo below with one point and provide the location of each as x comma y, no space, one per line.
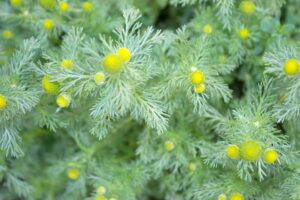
250,141
283,63
193,78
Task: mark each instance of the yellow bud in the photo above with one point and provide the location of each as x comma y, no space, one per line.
47,4
199,88
222,197
207,29
15,3
270,156
87,6
250,150
100,198
101,190
197,77
247,7
169,146
112,63
236,196
48,24
99,78
192,167
124,54
291,67
73,174
244,33
2,102
7,34
63,6
232,151
50,87
63,100
67,64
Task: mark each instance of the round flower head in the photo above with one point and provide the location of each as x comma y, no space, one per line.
7,34
232,151
15,3
100,197
197,77
63,6
199,88
244,33
207,29
87,6
48,24
192,167
291,67
50,87
47,4
169,146
222,197
2,102
63,100
236,196
270,156
124,54
247,7
99,78
67,64
101,190
250,150
112,63
73,174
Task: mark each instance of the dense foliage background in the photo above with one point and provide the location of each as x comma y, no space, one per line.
149,99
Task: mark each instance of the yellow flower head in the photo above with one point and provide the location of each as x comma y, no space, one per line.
47,4
101,190
7,34
73,174
244,33
199,88
169,146
236,196
192,167
112,63
67,64
2,102
247,7
63,6
15,3
100,197
48,24
222,197
250,150
291,67
207,29
50,87
197,77
63,100
270,156
99,78
232,151
124,54
87,6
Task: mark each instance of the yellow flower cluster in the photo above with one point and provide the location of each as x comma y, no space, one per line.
197,79
169,146
113,63
233,196
250,151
